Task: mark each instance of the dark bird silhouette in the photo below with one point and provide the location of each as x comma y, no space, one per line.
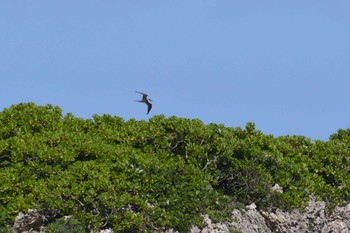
145,100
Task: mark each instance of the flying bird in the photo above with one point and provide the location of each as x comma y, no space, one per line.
145,100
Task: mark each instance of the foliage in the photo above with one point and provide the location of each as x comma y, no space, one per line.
61,225
158,174
6,229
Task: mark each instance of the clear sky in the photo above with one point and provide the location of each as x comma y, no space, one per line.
284,65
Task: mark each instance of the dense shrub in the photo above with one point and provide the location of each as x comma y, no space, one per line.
62,225
157,174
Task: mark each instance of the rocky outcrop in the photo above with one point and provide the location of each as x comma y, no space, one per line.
338,221
314,219
247,220
32,222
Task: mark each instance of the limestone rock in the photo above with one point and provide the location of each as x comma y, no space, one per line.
277,188
213,227
246,220
249,220
106,231
294,222
32,222
338,221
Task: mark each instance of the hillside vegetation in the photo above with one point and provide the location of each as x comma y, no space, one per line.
158,174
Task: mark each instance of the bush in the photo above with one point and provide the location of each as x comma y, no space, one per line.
70,225
164,173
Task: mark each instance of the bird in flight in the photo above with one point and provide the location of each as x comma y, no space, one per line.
145,100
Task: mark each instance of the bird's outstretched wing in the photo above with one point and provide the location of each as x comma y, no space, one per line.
149,107
141,93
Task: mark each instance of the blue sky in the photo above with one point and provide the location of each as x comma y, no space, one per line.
284,65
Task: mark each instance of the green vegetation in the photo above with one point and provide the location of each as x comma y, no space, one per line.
163,173
61,225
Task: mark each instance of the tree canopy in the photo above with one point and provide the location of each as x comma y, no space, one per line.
157,174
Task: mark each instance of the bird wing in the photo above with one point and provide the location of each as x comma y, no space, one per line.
149,107
141,93
144,96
